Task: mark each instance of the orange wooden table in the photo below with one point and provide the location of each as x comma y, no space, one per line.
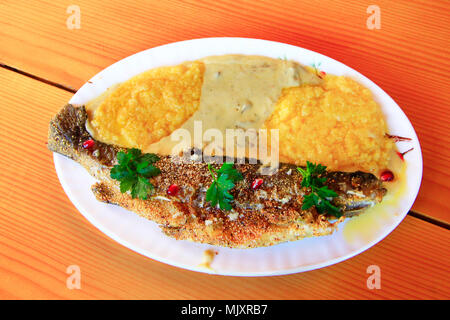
44,62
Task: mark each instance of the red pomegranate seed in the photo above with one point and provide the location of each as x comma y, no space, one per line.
257,183
387,176
173,190
88,144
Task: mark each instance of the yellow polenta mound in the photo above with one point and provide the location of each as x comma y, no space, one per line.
149,106
337,124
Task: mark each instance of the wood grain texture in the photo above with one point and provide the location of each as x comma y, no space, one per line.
408,57
41,234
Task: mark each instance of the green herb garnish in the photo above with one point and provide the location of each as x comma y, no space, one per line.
223,181
133,171
320,195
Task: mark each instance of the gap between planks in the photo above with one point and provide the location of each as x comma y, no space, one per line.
414,214
32,76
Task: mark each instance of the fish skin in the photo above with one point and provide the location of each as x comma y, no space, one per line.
266,216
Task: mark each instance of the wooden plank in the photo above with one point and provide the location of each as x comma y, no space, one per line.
41,234
407,57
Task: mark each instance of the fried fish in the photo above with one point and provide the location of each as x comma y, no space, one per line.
266,216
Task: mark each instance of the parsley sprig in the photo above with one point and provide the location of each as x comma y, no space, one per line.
320,195
133,171
224,180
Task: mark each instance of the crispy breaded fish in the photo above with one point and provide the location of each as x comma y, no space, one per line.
262,217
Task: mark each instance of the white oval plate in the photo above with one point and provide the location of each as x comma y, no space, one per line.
144,236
